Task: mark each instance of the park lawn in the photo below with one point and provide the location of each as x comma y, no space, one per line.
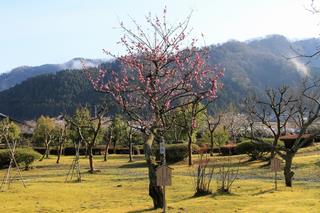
123,187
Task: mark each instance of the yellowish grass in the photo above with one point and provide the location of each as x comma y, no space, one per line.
123,187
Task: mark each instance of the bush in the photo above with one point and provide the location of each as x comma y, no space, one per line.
176,152
23,156
228,149
255,150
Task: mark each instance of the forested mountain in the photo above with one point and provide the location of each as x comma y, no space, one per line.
22,73
250,66
49,94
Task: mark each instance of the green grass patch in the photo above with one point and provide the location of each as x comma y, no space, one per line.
123,187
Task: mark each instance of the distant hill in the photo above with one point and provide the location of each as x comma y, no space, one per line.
250,66
50,94
19,74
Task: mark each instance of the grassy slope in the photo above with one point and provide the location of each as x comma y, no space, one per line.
123,187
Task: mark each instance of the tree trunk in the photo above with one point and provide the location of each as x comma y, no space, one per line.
288,174
130,151
211,141
155,192
47,151
59,153
176,135
90,154
190,150
105,158
86,150
114,146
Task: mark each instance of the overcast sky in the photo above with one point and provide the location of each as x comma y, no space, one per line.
36,32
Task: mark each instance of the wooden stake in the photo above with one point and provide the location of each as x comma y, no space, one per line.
75,166
164,199
7,179
275,180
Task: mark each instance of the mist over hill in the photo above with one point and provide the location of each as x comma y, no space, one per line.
19,74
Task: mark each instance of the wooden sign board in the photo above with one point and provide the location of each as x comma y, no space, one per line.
164,176
275,165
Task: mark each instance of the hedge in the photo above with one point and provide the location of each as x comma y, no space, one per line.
23,156
176,152
255,150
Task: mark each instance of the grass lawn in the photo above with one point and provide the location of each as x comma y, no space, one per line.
123,187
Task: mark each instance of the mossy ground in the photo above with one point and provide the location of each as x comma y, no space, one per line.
123,187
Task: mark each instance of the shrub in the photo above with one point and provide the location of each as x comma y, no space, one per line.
255,150
202,176
176,152
226,176
4,158
23,156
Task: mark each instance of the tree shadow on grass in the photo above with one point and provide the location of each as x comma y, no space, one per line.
215,194
130,179
142,210
263,192
195,197
134,165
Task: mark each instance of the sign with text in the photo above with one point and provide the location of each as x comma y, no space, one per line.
164,176
275,165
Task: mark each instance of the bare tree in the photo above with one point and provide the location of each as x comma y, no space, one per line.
189,123
233,121
212,125
226,176
273,111
203,175
307,109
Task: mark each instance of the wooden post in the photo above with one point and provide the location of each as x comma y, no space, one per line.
275,180
164,178
163,152
164,199
275,167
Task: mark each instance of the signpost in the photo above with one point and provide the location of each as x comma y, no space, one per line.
164,174
275,167
164,178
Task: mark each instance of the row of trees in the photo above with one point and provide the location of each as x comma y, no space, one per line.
80,128
66,131
91,131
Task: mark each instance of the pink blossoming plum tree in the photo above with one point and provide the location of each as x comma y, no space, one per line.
161,71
